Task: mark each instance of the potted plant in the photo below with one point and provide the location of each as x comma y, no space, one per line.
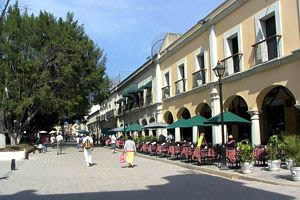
293,151
275,149
289,153
246,156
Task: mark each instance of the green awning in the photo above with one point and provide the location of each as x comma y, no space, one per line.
229,118
181,123
106,131
197,121
135,127
148,85
131,89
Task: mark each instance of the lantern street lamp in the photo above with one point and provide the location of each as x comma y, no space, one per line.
219,71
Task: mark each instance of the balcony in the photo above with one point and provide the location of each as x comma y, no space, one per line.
180,86
232,62
267,49
199,78
110,114
166,92
102,117
149,99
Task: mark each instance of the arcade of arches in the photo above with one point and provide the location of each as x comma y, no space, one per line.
276,113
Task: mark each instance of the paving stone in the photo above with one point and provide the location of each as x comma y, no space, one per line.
49,176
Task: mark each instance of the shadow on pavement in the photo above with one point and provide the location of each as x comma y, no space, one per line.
179,187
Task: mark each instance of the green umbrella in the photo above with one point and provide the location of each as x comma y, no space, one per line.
120,129
82,132
229,118
181,123
197,121
134,127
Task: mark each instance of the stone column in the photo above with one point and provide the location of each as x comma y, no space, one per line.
177,135
195,134
143,133
255,128
158,84
150,133
215,109
213,52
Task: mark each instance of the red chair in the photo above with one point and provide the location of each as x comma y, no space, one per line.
232,156
174,151
152,149
260,154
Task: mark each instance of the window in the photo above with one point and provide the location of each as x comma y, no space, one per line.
180,83
268,34
233,51
199,76
166,88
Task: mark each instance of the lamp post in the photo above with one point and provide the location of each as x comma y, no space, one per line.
219,71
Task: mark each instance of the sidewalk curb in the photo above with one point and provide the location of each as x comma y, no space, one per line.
211,171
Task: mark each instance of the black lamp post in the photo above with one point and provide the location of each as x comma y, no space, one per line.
219,71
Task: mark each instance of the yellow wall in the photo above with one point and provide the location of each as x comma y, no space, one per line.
253,88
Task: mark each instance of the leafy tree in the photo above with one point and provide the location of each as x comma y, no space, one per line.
48,65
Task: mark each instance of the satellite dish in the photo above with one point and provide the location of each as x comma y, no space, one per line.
156,43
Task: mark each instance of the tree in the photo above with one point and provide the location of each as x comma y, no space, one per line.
47,65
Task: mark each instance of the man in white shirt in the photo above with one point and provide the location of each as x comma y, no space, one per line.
52,140
59,140
113,141
87,144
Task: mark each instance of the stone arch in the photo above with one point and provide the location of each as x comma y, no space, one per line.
204,110
168,117
278,112
183,113
144,122
151,120
238,105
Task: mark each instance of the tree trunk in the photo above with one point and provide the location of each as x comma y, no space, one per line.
14,137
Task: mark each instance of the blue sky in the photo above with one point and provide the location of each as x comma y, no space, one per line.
126,29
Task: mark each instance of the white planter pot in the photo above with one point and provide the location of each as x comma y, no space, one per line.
295,173
247,168
289,163
274,165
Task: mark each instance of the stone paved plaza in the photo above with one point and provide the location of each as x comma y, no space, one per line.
48,176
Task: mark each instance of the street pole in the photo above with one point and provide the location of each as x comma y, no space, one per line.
223,150
219,71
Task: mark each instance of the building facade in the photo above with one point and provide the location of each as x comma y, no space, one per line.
258,42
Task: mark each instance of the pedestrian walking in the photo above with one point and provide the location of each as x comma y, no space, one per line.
88,145
113,141
52,140
130,150
59,141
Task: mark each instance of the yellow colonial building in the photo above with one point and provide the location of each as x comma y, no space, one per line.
258,42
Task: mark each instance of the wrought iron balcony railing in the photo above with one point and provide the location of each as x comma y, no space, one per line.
180,86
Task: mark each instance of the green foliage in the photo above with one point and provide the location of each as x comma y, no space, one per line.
246,154
292,148
48,65
275,148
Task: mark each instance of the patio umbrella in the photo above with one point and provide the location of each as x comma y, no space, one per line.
52,132
82,132
43,132
181,123
120,129
155,125
135,127
229,118
197,121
